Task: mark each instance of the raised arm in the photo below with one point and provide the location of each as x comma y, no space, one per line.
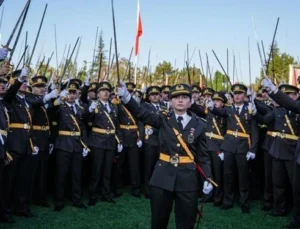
285,101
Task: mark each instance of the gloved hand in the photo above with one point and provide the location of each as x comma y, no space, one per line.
1,139
87,81
3,53
120,148
122,90
92,107
24,74
148,131
63,94
268,84
139,143
221,156
250,155
210,104
144,90
52,86
35,150
51,147
85,152
207,187
52,95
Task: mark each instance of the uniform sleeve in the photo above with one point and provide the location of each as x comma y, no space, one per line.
11,92
285,101
266,119
220,111
262,108
202,156
198,110
35,102
144,115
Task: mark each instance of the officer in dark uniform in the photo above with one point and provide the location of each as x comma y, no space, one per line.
216,128
165,97
20,128
103,141
5,157
41,133
286,131
294,106
266,139
151,142
183,145
239,145
208,93
132,143
70,145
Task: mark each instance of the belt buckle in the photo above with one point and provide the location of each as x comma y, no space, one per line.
282,135
73,133
174,160
44,128
235,133
107,131
127,127
210,135
26,126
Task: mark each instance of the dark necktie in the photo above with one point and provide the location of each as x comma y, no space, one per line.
157,107
179,119
73,109
238,110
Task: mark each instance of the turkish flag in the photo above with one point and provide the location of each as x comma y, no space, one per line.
139,30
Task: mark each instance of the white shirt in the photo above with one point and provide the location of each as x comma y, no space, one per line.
23,97
75,109
107,106
156,105
240,107
185,120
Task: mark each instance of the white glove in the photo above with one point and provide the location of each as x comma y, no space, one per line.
210,104
148,131
3,53
35,150
52,95
120,148
63,94
268,84
85,152
139,143
122,90
87,81
144,90
92,107
24,74
221,156
250,155
51,147
1,139
207,187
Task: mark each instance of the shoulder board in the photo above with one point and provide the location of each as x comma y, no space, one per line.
228,105
204,120
80,107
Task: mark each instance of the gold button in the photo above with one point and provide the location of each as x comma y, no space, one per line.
284,124
283,131
178,145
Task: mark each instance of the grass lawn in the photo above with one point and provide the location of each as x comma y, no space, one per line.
134,213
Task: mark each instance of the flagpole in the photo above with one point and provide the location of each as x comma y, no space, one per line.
135,69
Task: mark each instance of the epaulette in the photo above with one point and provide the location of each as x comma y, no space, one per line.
115,101
228,105
80,107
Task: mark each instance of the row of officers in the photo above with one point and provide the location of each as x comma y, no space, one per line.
74,121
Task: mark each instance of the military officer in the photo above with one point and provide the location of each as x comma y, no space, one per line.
239,145
41,133
151,142
196,93
183,146
20,112
165,98
70,144
294,106
132,143
103,141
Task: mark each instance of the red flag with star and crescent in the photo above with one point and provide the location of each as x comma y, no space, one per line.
139,30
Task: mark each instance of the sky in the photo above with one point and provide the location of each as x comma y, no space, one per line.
168,26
